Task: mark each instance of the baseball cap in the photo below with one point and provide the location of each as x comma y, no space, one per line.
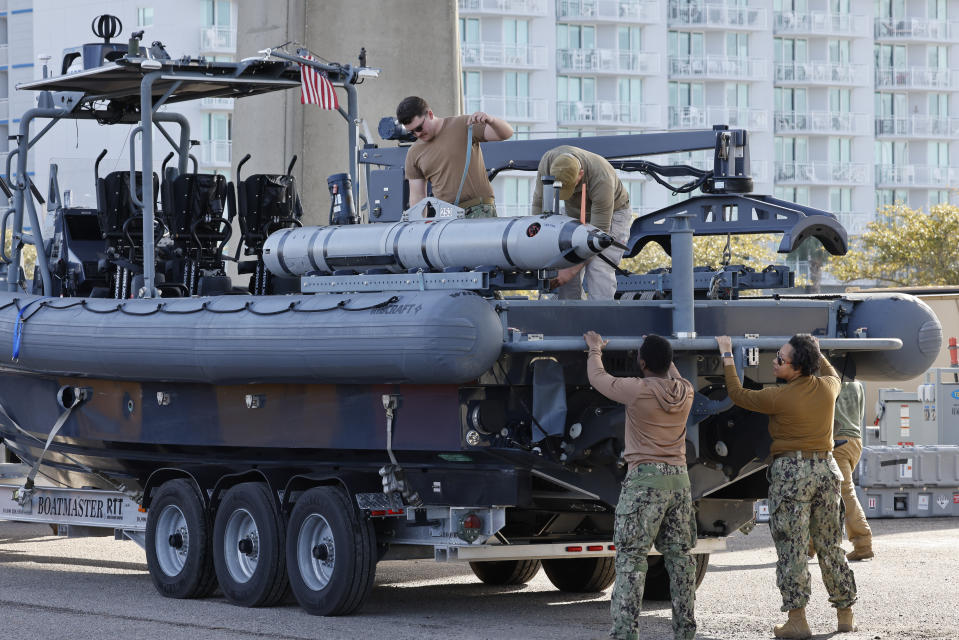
566,169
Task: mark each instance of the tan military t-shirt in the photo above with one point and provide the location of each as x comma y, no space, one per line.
441,161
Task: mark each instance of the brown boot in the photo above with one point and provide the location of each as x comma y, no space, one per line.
796,626
847,622
860,553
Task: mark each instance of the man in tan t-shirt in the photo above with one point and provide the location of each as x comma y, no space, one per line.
655,504
439,156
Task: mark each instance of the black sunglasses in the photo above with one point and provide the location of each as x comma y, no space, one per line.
779,359
419,129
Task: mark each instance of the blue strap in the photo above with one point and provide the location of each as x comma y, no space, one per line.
18,327
466,167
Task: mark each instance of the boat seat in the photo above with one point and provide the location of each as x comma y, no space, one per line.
121,219
194,204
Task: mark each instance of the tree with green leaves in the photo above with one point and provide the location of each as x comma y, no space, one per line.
755,251
905,247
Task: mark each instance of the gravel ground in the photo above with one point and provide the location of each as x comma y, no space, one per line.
96,588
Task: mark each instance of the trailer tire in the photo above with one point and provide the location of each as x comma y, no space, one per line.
248,546
581,575
179,542
505,572
657,578
330,553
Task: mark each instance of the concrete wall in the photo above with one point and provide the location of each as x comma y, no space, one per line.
413,42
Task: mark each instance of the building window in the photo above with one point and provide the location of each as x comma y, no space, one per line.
938,196
575,36
840,200
517,194
469,30
472,91
521,131
145,16
218,13
518,104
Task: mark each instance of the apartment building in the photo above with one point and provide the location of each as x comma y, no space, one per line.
33,34
847,103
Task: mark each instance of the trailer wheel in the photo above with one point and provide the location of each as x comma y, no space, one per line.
506,572
581,575
330,552
657,579
248,553
178,542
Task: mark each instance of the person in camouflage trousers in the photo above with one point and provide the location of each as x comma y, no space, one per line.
655,504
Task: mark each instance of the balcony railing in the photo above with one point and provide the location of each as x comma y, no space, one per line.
513,109
914,175
710,14
218,40
646,11
216,153
497,54
820,23
854,222
821,73
739,118
845,173
832,122
610,114
718,68
606,61
217,104
915,29
687,117
921,126
505,7
915,77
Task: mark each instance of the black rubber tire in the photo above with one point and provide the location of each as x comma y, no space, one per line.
267,580
326,514
196,578
506,572
657,579
581,575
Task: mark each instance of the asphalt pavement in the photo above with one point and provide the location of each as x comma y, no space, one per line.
55,587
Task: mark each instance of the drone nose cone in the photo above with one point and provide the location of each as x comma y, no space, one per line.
599,240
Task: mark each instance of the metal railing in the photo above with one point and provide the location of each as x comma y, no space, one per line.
822,73
218,39
718,68
607,60
714,14
918,126
610,113
854,222
216,153
497,54
851,173
505,7
646,11
820,23
918,29
513,109
915,77
739,117
914,175
687,117
840,122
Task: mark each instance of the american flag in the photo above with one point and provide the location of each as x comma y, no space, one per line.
316,87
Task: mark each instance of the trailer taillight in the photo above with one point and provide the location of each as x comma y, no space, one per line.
472,521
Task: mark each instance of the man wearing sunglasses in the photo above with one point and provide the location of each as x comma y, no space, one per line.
804,498
439,156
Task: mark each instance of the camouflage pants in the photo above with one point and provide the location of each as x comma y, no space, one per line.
481,211
645,515
804,502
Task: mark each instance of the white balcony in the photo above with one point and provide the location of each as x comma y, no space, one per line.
687,118
918,126
620,61
855,223
621,114
820,23
739,118
821,73
217,104
719,68
829,173
915,29
625,11
915,175
218,40
915,78
498,54
716,15
512,109
505,7
827,122
216,153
